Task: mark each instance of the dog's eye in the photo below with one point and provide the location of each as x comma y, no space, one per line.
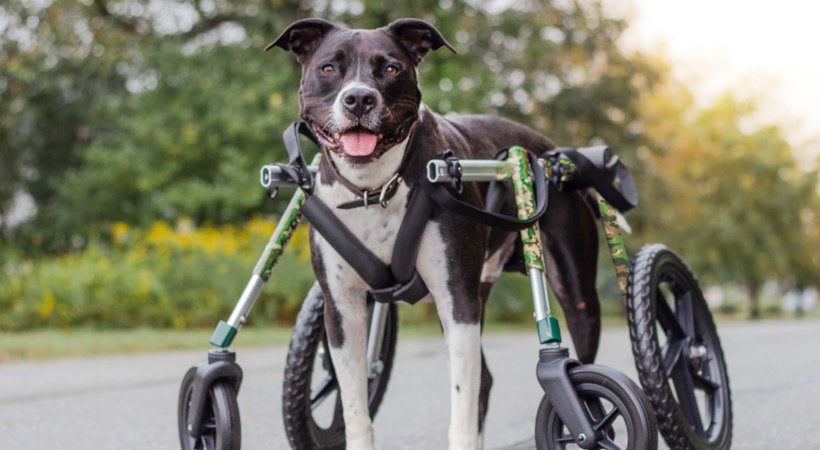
328,70
391,70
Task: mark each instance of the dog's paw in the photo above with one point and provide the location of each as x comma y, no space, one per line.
361,440
466,442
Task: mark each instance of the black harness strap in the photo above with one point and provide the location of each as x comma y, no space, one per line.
410,287
297,167
372,270
599,168
399,281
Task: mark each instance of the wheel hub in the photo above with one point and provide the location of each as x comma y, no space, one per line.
697,356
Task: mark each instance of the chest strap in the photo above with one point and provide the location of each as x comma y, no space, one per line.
389,283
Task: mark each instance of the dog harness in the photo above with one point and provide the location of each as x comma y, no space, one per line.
596,167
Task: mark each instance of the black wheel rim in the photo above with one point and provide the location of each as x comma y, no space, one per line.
325,400
691,353
613,427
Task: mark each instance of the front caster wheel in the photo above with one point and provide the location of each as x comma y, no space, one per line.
220,428
616,407
677,352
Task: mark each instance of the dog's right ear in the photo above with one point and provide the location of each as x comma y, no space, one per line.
302,37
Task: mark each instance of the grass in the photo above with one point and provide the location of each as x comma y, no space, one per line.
51,343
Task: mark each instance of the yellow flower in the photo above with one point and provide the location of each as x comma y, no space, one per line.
119,231
48,304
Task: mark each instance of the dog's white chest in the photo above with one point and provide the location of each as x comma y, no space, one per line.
375,226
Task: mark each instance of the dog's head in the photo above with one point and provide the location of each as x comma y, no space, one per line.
359,91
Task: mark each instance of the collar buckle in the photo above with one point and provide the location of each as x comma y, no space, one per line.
391,184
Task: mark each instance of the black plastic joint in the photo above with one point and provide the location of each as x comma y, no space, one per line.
221,364
552,371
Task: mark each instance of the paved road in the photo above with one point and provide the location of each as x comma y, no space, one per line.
127,402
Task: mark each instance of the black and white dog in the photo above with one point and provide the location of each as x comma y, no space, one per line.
359,94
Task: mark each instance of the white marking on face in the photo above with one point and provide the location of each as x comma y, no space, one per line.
339,120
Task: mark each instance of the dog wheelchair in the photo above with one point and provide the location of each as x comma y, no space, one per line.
677,351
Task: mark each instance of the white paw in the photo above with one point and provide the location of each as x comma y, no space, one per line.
465,442
362,440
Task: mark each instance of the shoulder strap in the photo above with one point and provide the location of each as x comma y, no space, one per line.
443,198
294,148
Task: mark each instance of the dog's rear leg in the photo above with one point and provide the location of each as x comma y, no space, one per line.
571,238
486,376
493,266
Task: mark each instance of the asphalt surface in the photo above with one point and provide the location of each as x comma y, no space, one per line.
129,402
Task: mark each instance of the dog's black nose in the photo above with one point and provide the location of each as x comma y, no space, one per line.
359,101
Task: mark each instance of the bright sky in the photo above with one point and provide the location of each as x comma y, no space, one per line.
768,47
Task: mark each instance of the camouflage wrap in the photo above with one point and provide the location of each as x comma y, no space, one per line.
615,241
505,170
525,200
283,232
566,169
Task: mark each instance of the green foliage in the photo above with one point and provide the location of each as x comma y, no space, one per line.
178,108
733,199
133,113
163,277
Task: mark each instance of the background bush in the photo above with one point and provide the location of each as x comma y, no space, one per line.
166,276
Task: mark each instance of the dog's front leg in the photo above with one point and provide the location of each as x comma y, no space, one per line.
346,326
464,350
459,310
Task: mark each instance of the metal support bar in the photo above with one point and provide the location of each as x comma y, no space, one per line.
540,297
375,337
548,330
281,236
471,170
271,175
240,312
225,332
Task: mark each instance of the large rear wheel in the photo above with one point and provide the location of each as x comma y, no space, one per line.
677,352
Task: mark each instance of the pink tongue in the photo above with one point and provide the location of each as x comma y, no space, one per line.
358,142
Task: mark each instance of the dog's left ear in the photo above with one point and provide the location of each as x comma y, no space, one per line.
418,37
302,37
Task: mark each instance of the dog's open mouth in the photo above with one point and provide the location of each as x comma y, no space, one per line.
357,141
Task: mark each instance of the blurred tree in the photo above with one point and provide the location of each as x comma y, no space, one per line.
178,104
734,200
107,111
